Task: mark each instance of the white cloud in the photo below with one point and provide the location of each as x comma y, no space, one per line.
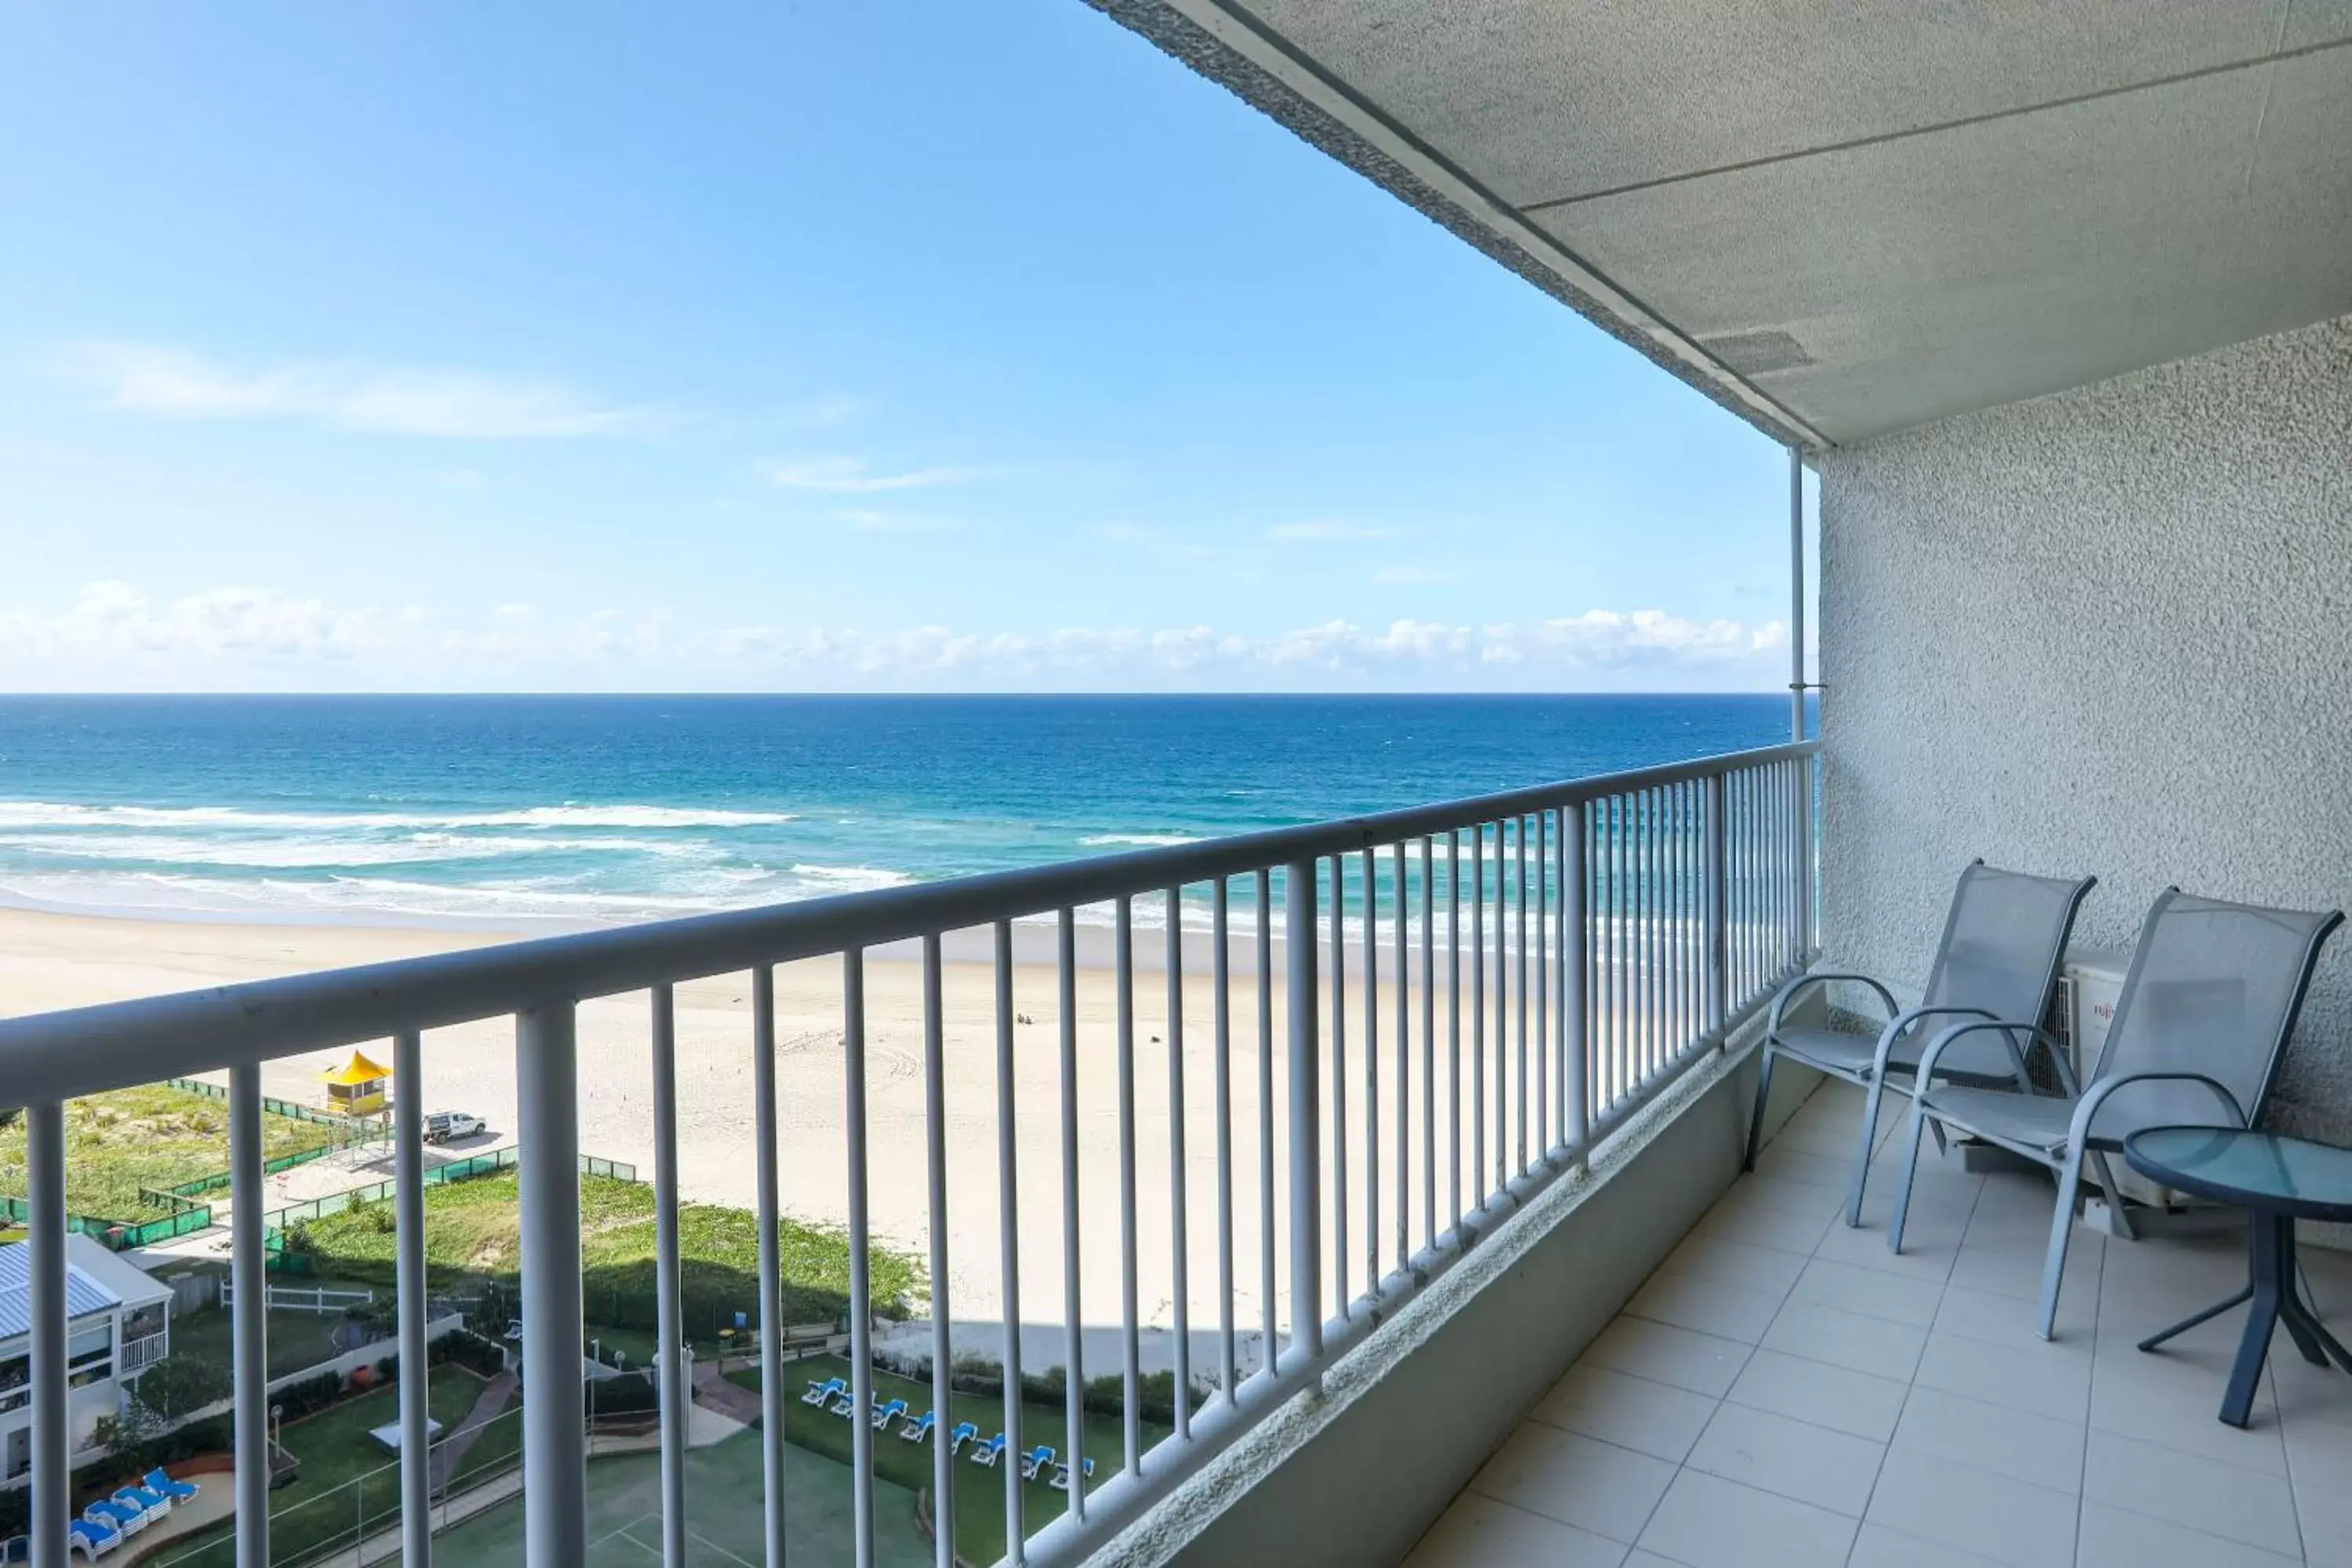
1327,528
114,636
462,405
850,476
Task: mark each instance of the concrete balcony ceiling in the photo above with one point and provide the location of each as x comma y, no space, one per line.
1844,221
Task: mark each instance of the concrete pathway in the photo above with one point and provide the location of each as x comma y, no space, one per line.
730,1399
488,1407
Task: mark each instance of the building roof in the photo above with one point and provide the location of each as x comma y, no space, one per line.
355,1071
84,1295
1842,221
130,1284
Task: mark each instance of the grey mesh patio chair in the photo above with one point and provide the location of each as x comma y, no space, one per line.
2204,1017
2003,942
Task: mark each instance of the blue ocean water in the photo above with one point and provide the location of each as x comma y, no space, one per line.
558,811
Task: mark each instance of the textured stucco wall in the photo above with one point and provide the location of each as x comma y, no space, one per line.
2109,631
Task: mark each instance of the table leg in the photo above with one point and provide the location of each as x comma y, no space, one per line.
2185,1324
2271,1248
2310,1335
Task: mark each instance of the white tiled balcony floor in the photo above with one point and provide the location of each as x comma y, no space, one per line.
1786,1391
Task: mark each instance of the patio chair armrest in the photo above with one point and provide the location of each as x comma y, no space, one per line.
1788,993
2007,1029
2087,1108
1904,1020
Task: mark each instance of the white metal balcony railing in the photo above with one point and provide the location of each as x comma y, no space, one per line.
139,1354
1575,946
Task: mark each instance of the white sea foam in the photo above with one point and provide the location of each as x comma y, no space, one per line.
54,814
850,878
291,854
1145,841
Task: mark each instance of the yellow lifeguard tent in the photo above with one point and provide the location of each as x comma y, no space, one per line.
356,1088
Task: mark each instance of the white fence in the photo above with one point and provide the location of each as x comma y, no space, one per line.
303,1298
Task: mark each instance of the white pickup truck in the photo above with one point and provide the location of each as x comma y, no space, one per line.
447,1127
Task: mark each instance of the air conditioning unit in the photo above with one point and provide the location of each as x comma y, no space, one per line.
2085,1008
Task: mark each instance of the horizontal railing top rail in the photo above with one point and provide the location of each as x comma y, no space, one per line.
84,1050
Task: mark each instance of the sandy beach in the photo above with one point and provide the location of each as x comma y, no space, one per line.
50,961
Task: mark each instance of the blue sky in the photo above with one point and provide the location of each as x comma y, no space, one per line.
830,345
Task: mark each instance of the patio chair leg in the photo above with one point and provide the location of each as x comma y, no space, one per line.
2123,1220
1910,1169
1763,1093
1871,1092
1755,1120
2062,1230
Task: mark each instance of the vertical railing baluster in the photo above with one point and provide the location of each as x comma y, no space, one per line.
1777,836
554,1418
1712,923
1222,979
1305,1114
1074,1377
1478,1012
1008,1188
52,1445
1813,790
1429,1041
1272,1302
1623,1050
1502,1009
1342,1303
1178,1212
1519,834
1454,1022
861,1283
1685,944
1752,857
1546,1125
249,1320
1130,1241
768,1196
1786,833
1372,1073
1654,904
408,1248
1596,944
1575,981
1596,977
935,1131
1404,1069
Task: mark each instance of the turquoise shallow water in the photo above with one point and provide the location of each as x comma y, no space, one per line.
564,811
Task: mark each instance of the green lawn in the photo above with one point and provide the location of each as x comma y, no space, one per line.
154,1136
979,1493
473,1234
298,1340
348,1479
725,1510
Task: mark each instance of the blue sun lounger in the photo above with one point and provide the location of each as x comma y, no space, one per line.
917,1430
886,1414
987,1453
91,1539
127,1520
824,1393
177,1490
965,1432
1035,1459
1061,1481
